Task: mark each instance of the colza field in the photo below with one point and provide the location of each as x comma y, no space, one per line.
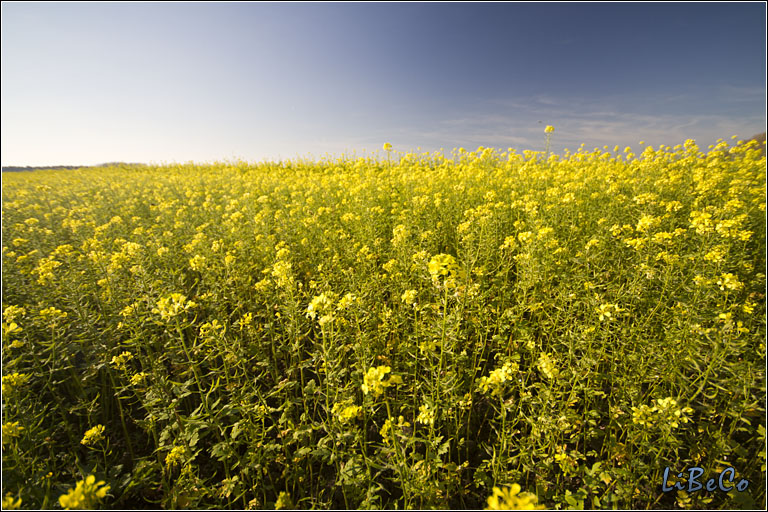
496,329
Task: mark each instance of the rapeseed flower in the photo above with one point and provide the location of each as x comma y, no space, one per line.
346,301
93,435
52,316
509,243
284,501
564,460
647,223
209,329
730,281
374,383
11,429
665,411
130,310
346,412
511,498
10,313
175,456
671,414
281,270
45,269
547,366
494,382
197,262
525,237
139,379
13,382
409,297
442,265
701,222
119,360
426,415
246,321
445,266
389,426
321,304
11,504
606,311
173,305
86,494
400,234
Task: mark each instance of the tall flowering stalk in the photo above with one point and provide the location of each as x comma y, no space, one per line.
548,130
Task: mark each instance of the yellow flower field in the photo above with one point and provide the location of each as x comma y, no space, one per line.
491,328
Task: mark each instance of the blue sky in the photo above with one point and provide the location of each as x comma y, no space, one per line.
86,83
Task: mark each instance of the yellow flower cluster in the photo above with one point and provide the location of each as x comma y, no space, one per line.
52,316
197,263
130,310
346,301
45,270
665,411
729,281
10,313
212,329
284,501
374,383
173,305
11,504
346,411
525,236
495,381
409,297
175,456
11,429
323,304
701,222
389,426
426,415
121,359
563,459
13,382
139,379
647,223
511,498
10,327
281,271
93,436
670,413
444,265
606,311
547,366
86,494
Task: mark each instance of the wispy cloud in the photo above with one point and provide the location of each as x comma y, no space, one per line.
739,93
545,100
520,122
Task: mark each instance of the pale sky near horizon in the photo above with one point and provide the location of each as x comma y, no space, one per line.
87,83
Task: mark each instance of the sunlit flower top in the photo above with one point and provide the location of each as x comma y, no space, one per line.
85,495
512,499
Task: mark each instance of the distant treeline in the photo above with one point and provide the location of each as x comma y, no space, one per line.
760,138
13,168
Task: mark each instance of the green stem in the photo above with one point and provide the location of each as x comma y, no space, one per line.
122,417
